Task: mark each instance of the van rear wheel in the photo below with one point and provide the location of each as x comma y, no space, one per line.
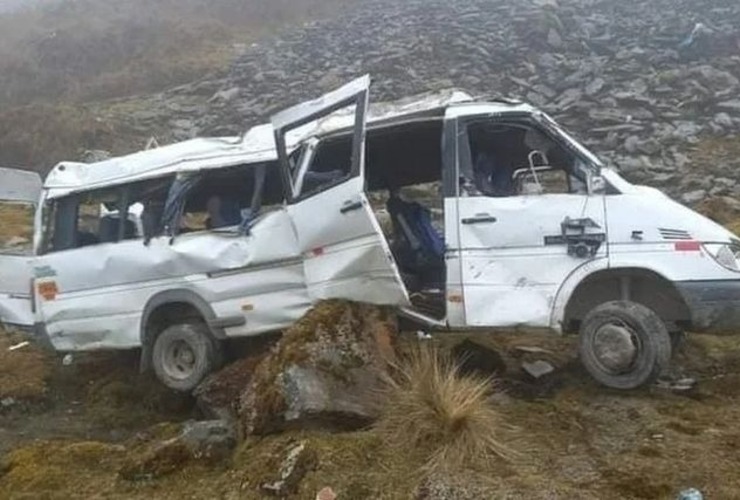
624,345
184,354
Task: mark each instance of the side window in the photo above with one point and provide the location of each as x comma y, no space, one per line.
512,158
107,215
323,165
77,221
230,197
16,229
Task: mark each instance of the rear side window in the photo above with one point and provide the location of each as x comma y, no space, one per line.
107,215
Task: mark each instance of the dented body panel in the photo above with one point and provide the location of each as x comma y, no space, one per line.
510,274
250,276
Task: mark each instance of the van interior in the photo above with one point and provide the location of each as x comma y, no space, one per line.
403,183
225,197
404,171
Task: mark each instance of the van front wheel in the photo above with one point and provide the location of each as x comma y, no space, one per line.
624,345
184,354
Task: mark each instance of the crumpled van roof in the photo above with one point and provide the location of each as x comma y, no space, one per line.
256,146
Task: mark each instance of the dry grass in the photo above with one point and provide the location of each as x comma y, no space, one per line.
23,372
16,221
432,407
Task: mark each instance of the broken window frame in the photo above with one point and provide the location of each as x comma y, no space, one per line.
355,94
183,186
60,218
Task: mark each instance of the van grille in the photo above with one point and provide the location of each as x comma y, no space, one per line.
674,234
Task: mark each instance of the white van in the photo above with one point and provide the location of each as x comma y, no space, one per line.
461,214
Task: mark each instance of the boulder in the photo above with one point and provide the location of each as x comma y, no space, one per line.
217,396
208,442
326,371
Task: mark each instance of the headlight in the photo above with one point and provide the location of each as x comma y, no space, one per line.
727,256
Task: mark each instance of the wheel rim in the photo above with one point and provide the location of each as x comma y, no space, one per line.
616,347
179,360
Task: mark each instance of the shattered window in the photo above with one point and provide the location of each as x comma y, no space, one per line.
231,196
106,215
144,205
16,230
331,163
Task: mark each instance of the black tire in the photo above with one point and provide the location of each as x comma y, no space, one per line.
624,345
678,339
183,355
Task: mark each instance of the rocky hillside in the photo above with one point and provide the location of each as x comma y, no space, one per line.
651,86
628,77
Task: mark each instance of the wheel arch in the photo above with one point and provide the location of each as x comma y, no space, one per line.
168,304
641,285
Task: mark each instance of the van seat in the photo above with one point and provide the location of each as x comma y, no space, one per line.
419,247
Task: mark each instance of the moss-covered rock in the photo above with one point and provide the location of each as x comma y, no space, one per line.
164,450
325,371
218,395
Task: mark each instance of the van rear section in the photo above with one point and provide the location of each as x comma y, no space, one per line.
19,196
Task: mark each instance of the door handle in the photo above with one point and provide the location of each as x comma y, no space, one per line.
479,219
350,206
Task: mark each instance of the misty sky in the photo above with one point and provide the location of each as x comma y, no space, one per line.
9,5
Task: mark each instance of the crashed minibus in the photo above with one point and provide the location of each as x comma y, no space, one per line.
460,214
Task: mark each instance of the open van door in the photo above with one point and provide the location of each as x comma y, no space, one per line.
19,195
344,251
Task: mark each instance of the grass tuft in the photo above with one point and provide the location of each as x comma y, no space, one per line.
432,407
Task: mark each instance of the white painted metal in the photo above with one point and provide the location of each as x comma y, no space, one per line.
103,289
345,253
15,290
510,277
19,185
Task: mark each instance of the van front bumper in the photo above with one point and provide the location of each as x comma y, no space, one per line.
714,305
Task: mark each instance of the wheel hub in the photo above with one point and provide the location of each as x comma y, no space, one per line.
180,360
615,347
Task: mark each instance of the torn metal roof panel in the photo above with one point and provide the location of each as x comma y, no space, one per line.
256,146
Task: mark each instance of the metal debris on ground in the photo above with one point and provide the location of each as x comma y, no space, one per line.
326,494
20,345
690,494
678,384
538,369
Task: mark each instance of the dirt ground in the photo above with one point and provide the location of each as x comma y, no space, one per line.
72,427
